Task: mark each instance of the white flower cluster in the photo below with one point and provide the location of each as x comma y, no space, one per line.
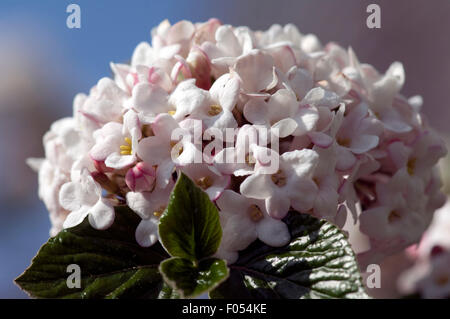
347,139
430,275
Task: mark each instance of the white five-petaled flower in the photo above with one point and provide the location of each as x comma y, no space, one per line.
149,206
244,220
291,185
83,198
116,144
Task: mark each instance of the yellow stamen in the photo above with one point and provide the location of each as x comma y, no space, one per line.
214,110
411,166
343,142
159,211
393,216
126,148
250,159
171,112
204,182
279,178
180,148
255,213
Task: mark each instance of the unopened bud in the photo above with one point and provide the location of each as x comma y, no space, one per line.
141,177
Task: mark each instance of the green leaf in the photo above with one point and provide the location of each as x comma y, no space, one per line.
190,227
192,279
112,264
317,263
190,231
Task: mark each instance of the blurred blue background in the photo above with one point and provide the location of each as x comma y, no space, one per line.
44,64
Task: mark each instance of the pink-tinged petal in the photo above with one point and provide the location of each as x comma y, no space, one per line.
363,143
345,159
282,104
395,125
278,205
255,70
101,150
150,99
285,127
164,125
306,119
284,57
141,177
181,31
273,232
320,139
101,215
154,150
399,153
257,186
227,41
118,161
320,97
301,81
256,111
147,232
225,90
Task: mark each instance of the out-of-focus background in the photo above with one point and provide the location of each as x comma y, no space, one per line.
43,64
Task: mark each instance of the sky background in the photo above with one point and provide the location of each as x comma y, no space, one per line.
44,64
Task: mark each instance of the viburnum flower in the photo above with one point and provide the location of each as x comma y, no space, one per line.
290,185
244,220
149,205
430,274
83,198
265,122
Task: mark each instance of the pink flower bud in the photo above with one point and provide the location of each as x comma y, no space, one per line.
141,177
200,67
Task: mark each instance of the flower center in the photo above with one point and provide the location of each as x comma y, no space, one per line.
279,178
343,142
250,159
171,112
179,148
411,166
159,211
393,216
214,110
126,149
255,213
147,130
204,182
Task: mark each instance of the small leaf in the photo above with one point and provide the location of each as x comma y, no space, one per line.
190,227
317,263
112,264
191,279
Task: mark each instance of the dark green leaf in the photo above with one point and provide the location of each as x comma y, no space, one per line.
318,263
192,279
112,264
190,227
